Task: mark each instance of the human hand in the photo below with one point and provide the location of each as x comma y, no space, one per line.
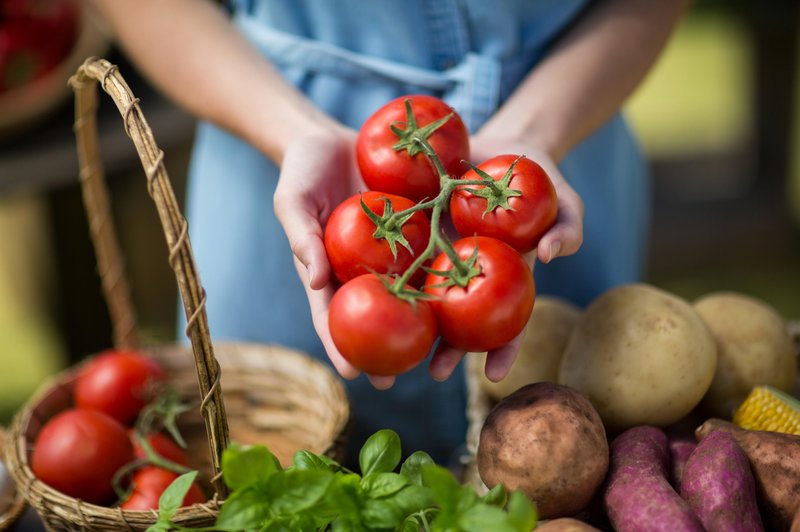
563,239
317,173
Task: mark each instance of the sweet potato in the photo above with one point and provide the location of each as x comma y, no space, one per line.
719,486
638,496
775,462
680,447
796,522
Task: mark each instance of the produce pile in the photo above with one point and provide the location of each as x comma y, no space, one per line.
647,412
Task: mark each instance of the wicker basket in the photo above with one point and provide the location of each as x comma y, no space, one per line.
9,514
273,395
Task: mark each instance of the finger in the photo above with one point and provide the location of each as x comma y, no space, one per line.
499,361
444,361
381,383
304,232
319,302
566,236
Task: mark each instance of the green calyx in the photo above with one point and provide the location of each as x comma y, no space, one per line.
496,193
399,290
389,227
462,271
412,137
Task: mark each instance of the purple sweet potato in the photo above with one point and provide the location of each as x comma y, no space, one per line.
638,496
775,461
680,447
719,486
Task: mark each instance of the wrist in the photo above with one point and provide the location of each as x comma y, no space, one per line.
531,132
275,132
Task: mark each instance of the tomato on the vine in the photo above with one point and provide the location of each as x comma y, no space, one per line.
496,303
410,174
162,445
119,383
78,451
377,331
353,247
519,213
149,483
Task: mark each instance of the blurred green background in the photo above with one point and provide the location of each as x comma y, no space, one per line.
713,116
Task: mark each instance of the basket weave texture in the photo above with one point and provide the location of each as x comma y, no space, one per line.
273,395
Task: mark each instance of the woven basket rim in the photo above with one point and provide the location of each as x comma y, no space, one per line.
15,510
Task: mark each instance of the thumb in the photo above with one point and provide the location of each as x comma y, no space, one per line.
304,232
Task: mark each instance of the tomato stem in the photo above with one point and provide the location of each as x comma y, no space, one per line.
415,139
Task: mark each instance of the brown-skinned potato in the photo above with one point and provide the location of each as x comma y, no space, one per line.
548,441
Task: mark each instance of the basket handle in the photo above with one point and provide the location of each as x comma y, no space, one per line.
115,286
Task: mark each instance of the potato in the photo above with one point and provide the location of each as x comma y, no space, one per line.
548,441
719,486
775,461
638,496
642,356
539,356
754,348
565,524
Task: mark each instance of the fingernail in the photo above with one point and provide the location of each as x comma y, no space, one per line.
555,247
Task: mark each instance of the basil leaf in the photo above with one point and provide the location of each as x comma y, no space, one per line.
244,466
381,514
483,517
307,460
522,514
246,509
443,485
380,453
412,467
497,496
378,485
172,497
413,499
297,491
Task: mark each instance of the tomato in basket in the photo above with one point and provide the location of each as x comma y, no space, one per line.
163,445
119,383
78,452
149,483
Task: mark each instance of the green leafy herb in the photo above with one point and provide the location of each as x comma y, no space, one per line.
316,493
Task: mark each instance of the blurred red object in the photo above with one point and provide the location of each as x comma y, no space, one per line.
35,36
42,43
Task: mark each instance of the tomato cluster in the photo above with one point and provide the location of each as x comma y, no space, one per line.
81,450
478,293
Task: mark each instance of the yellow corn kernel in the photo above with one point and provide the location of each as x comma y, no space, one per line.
769,409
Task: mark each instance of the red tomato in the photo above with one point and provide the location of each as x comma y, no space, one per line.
495,305
118,383
149,483
351,246
530,215
163,446
78,451
396,172
378,332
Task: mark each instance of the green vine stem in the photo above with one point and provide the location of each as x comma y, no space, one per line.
415,140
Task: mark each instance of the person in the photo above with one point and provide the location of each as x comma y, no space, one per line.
282,86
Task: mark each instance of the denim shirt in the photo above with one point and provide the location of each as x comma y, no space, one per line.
350,57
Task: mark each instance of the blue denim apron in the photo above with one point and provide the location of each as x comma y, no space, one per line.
350,57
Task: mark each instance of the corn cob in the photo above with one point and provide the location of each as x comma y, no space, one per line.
767,408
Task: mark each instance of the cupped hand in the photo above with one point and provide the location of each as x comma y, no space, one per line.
317,173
